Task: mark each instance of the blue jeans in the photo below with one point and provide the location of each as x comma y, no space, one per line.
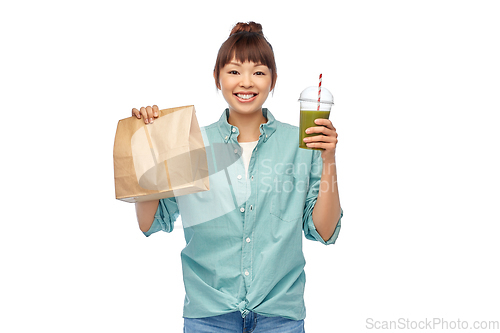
233,323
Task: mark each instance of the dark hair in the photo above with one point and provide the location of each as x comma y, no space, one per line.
246,42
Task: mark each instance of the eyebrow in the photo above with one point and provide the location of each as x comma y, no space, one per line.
238,64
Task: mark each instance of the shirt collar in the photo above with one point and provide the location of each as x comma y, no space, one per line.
229,131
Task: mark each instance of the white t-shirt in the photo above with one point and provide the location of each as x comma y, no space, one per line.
246,153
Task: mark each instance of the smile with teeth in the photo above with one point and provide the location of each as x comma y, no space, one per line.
246,96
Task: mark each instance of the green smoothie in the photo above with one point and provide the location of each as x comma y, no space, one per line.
307,120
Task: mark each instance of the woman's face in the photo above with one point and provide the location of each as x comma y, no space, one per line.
245,86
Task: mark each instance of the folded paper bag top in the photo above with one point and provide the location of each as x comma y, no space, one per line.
163,159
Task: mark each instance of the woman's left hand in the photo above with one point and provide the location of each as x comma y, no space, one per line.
327,139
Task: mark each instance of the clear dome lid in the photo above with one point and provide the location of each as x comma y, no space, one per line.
310,94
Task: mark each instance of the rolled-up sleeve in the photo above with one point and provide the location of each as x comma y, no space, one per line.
308,226
165,216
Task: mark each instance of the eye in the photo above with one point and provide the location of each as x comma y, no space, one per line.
233,72
260,73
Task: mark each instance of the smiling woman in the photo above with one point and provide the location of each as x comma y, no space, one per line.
235,272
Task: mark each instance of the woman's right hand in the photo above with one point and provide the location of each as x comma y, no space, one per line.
148,113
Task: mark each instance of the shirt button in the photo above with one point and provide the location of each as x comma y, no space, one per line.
233,130
226,137
242,209
246,273
239,177
248,240
251,207
251,178
236,151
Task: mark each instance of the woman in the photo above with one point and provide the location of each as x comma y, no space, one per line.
243,265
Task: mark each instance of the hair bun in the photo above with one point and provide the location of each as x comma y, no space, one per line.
248,27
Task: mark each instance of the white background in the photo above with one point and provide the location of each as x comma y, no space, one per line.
416,87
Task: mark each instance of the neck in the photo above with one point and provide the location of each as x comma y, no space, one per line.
248,124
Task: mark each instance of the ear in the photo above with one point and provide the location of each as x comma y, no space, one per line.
216,83
274,85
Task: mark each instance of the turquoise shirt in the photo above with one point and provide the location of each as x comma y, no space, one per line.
244,236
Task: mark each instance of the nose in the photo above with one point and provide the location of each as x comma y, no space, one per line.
246,81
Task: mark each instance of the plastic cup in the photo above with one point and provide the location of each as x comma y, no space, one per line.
309,111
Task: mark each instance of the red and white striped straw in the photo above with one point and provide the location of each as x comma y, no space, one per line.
319,89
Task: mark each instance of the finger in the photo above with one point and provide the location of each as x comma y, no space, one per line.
136,113
324,122
150,113
156,112
322,145
144,114
320,138
319,129
315,145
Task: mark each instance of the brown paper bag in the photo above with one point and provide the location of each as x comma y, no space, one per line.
160,160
